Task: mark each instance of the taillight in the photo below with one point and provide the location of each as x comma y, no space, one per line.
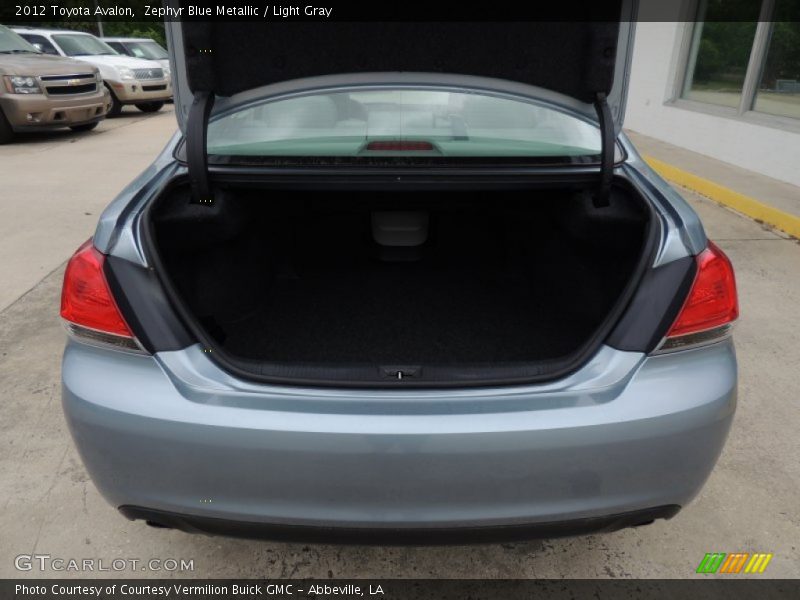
711,306
87,305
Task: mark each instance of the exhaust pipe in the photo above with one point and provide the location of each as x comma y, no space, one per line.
157,525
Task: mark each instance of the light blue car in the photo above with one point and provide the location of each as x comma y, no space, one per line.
429,294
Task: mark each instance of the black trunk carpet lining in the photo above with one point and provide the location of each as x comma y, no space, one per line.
401,313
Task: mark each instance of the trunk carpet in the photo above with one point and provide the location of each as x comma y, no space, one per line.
504,279
407,314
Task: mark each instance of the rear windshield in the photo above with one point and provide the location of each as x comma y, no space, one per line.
402,122
82,45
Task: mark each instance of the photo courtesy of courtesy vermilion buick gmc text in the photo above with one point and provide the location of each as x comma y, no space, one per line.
425,294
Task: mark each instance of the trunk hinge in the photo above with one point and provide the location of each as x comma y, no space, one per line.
608,147
196,154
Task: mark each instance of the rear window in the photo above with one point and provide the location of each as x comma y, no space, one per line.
402,122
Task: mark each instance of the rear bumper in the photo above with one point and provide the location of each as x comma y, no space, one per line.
398,536
38,111
208,458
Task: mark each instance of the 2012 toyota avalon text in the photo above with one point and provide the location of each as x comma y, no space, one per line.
423,295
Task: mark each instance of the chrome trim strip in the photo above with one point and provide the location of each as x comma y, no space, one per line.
102,339
149,74
694,340
56,78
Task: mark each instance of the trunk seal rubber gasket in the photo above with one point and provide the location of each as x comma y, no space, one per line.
233,366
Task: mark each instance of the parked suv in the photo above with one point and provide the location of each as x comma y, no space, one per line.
43,92
143,83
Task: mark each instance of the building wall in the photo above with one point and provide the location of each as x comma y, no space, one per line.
771,150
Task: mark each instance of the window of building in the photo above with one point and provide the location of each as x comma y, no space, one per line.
778,91
745,56
721,43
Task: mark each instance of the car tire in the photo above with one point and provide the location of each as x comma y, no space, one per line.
84,127
116,105
149,107
6,133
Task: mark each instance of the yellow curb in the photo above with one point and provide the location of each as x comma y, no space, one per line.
755,209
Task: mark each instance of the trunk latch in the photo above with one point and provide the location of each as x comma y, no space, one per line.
400,373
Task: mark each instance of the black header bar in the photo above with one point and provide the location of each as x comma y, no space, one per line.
53,12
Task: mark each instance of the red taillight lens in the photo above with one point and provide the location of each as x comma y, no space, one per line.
712,301
400,146
86,299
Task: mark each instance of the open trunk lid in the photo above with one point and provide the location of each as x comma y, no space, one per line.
578,60
584,63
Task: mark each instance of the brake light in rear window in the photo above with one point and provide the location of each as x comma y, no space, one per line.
400,146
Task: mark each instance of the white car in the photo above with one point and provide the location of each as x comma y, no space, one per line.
143,83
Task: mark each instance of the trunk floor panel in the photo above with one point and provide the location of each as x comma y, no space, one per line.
297,287
402,314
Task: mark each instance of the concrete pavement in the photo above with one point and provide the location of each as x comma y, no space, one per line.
778,194
51,507
55,185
